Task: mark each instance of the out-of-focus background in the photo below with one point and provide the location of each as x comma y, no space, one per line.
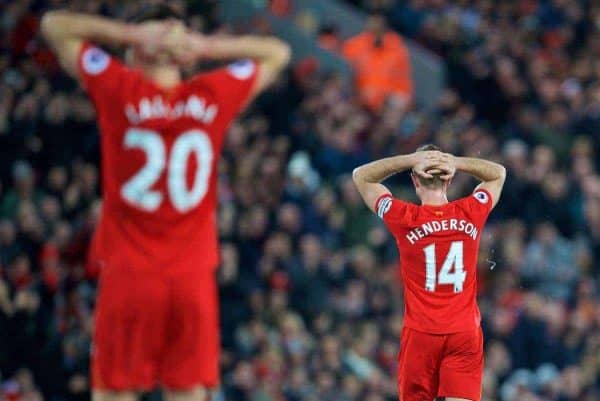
310,306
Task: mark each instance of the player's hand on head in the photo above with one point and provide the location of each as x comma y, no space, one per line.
426,156
182,45
446,166
434,163
150,33
156,40
425,161
444,171
425,169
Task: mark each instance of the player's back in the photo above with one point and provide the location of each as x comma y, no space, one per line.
438,248
160,150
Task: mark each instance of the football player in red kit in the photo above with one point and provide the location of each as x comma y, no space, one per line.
156,321
441,346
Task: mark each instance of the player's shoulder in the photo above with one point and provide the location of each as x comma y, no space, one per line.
96,61
240,70
478,197
392,209
479,201
482,196
105,76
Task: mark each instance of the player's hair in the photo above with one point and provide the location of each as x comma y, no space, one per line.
428,146
156,12
436,181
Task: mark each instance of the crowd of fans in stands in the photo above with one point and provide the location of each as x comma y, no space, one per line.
310,306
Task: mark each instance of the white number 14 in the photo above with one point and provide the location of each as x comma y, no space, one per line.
454,258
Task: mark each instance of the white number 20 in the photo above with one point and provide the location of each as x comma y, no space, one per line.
454,258
137,190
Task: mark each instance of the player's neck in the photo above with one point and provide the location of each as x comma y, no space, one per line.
163,77
434,198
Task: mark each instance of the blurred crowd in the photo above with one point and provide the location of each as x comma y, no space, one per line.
310,305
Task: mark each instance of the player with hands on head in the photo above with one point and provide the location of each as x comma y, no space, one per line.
442,344
159,32
155,246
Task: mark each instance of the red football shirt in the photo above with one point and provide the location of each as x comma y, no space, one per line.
159,152
438,248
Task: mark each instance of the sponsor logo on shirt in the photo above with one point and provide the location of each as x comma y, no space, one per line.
242,69
482,197
194,107
384,206
95,61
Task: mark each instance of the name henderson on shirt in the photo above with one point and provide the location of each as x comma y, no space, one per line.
442,225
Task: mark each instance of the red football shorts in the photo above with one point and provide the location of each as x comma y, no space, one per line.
154,329
433,365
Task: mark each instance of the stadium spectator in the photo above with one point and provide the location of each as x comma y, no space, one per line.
381,64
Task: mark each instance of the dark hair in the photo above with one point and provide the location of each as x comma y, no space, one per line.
156,12
428,146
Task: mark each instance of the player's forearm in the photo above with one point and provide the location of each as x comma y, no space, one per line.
483,170
268,50
64,25
379,170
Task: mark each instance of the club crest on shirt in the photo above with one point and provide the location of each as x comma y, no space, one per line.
481,196
95,61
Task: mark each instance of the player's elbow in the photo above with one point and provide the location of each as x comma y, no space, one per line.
50,25
277,58
357,176
47,23
501,173
281,53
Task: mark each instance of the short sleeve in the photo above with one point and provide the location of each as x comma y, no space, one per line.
231,85
479,205
391,210
100,73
